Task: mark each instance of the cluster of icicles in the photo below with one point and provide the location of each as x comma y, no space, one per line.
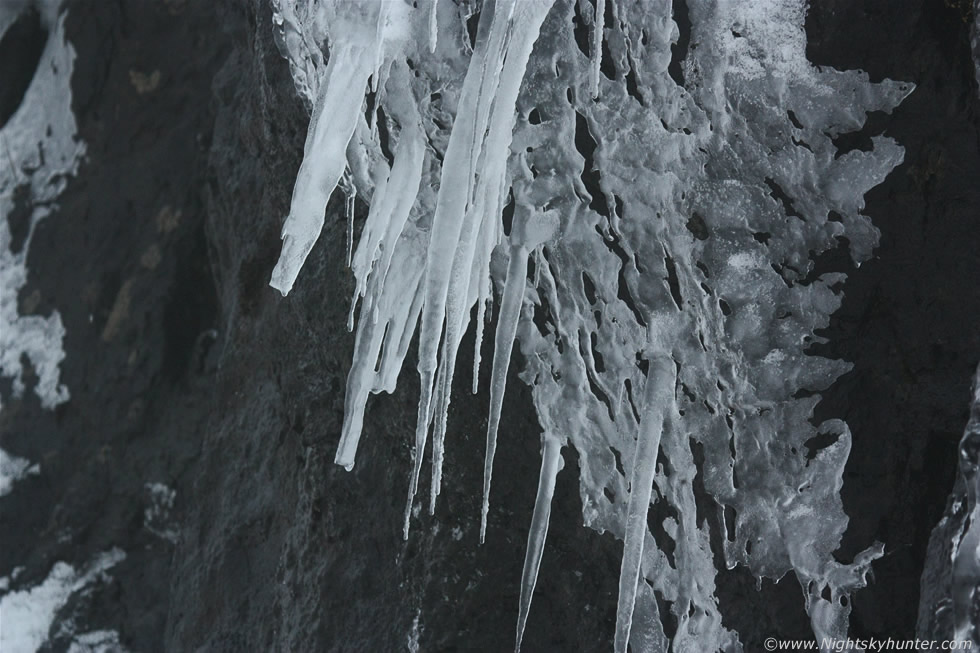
668,264
465,225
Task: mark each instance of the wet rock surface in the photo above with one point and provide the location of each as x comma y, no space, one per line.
186,369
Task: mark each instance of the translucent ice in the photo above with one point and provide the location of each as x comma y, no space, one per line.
670,191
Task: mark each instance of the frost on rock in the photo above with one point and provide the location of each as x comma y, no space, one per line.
646,189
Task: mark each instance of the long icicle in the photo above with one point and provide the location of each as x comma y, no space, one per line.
528,231
350,190
444,387
482,78
551,464
598,23
390,209
421,435
659,398
510,313
489,92
433,25
481,318
461,293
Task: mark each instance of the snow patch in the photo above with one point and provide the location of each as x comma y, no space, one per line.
13,469
40,150
26,616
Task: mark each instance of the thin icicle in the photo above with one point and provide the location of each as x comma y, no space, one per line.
659,398
510,40
421,435
483,128
463,291
551,464
454,193
528,232
350,191
598,23
485,292
483,304
510,313
537,266
444,383
433,25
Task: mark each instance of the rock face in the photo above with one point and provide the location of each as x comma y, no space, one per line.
186,370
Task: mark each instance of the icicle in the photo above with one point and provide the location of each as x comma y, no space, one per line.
456,187
484,296
659,398
367,346
433,25
406,174
483,304
441,412
464,289
454,193
324,160
350,191
526,233
510,313
551,464
383,10
400,307
421,435
489,96
537,266
597,28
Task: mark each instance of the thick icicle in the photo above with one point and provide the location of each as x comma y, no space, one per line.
389,214
598,23
395,189
659,398
399,306
551,464
324,158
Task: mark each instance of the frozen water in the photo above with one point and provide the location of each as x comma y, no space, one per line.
671,191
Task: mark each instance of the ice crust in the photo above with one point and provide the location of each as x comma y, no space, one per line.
668,195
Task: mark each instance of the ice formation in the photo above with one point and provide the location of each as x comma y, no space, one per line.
40,150
646,187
